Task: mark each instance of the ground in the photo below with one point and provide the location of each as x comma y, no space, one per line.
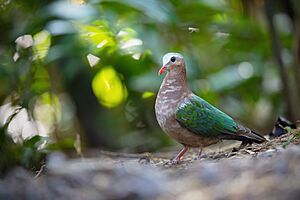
260,171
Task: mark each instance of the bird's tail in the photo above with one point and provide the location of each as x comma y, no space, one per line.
245,135
254,137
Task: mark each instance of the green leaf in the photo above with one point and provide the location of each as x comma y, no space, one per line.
34,141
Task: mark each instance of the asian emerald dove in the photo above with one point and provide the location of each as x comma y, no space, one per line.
189,119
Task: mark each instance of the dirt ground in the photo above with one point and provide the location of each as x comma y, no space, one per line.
260,171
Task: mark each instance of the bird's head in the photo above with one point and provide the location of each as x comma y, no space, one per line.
171,61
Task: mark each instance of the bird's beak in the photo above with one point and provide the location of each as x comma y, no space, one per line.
162,69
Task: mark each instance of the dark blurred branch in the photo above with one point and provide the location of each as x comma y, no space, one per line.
76,80
297,58
292,11
88,110
276,48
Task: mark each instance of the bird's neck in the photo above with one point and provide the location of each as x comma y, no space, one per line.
175,83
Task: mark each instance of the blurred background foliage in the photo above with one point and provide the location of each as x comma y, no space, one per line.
78,73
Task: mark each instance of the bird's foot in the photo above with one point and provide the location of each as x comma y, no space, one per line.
199,157
172,162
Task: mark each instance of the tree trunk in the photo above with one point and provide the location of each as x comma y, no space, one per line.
276,48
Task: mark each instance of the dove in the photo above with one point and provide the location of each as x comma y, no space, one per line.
189,119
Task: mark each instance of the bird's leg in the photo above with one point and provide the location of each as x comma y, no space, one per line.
199,154
181,153
176,160
198,157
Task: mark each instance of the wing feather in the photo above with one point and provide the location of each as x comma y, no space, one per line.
201,118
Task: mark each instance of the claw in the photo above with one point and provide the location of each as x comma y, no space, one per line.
172,162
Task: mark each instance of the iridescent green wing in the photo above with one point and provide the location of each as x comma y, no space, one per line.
201,118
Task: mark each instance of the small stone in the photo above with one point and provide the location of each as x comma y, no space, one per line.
267,154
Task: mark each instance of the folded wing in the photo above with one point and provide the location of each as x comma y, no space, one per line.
201,118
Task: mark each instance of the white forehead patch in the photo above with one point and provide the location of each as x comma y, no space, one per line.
168,56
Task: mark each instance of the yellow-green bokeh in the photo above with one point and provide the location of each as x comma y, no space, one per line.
42,41
147,94
108,87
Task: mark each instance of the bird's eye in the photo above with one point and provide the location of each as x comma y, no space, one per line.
173,59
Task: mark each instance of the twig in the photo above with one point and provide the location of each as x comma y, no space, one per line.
120,154
40,171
